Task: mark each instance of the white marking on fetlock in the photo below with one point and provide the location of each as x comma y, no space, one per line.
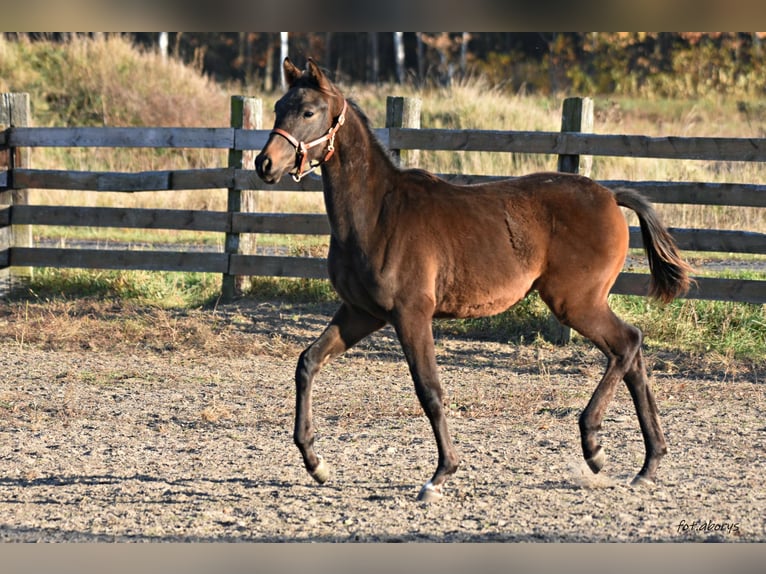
597,461
430,493
642,482
322,472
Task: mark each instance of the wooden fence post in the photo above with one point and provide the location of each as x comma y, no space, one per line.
576,116
14,112
404,113
246,113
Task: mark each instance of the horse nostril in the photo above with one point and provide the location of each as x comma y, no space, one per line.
262,165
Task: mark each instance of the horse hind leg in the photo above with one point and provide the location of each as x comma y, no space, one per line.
621,344
618,350
626,362
348,327
649,419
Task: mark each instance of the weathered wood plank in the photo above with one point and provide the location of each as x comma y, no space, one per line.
3,178
709,288
286,223
725,241
404,112
246,139
698,193
707,148
122,181
6,238
476,140
245,113
699,148
576,116
91,180
213,178
180,219
274,266
122,137
119,259
16,114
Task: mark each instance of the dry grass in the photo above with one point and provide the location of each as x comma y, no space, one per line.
215,412
247,329
125,327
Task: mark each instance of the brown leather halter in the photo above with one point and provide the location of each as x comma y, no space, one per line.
301,148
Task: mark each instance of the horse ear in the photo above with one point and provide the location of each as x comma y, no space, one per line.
292,73
316,73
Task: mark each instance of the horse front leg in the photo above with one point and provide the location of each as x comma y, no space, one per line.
416,337
347,328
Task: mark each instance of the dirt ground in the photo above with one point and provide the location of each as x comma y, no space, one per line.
130,424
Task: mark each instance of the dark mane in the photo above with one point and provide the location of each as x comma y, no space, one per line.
384,151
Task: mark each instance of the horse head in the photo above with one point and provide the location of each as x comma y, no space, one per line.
308,117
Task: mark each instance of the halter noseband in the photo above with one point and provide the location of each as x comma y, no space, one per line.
301,148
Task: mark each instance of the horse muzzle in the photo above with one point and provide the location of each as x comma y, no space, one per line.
267,166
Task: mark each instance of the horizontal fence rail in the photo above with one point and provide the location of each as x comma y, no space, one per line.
307,224
557,143
554,143
233,262
700,193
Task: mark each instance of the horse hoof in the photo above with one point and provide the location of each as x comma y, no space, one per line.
597,461
642,482
322,472
430,493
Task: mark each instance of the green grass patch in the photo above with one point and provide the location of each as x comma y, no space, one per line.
725,327
292,290
163,289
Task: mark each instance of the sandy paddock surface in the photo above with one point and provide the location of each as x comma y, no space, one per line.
128,424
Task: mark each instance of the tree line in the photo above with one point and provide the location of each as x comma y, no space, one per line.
545,61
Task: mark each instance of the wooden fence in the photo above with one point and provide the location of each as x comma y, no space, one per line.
18,254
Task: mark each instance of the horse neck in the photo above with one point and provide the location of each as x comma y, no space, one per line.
355,180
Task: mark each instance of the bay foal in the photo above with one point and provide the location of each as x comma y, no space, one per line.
406,247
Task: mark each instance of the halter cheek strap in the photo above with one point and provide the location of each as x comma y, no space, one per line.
302,148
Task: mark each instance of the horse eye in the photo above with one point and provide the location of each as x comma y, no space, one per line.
308,114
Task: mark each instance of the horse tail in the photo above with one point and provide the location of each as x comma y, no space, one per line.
670,274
